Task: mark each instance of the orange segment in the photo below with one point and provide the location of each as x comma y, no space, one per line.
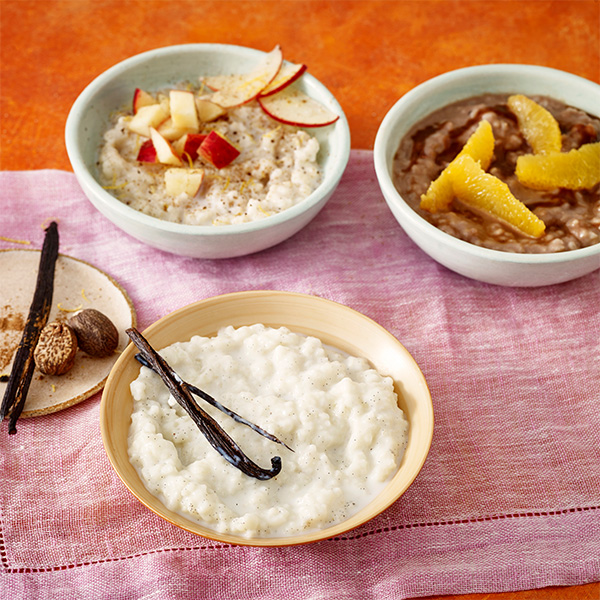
574,170
478,189
539,127
480,146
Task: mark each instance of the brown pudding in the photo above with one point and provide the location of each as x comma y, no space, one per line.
572,217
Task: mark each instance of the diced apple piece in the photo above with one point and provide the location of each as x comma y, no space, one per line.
164,151
147,152
487,193
183,181
172,132
218,150
208,111
234,90
480,147
288,73
293,107
142,98
148,117
187,145
183,110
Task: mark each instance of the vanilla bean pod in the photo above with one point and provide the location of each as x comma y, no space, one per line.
211,430
39,310
210,400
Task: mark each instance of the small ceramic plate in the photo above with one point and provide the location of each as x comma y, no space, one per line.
335,325
77,285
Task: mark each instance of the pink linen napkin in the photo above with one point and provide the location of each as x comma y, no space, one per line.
508,499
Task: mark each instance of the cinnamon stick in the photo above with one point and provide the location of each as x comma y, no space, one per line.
22,370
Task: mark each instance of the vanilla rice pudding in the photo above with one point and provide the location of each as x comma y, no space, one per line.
340,417
276,169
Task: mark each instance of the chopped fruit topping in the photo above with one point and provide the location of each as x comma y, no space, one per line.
141,98
164,151
147,152
234,90
218,150
480,147
183,110
183,181
293,107
148,116
208,111
539,127
288,73
574,170
483,191
187,145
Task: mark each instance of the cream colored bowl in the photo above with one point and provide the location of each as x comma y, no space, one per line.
335,325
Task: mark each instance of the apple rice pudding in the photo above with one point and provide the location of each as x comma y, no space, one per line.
230,150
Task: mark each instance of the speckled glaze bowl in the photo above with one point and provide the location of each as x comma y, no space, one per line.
483,264
157,69
335,325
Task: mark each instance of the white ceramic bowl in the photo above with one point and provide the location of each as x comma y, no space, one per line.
158,69
491,266
335,325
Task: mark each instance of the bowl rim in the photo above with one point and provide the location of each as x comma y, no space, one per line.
274,297
393,197
73,122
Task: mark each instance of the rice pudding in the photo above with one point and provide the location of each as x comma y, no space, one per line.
277,167
340,417
571,217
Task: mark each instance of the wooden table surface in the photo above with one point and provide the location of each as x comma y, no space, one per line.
368,53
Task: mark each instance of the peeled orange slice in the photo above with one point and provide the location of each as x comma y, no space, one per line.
480,147
479,189
539,127
574,170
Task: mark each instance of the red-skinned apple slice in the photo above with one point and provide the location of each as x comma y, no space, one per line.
234,90
218,150
147,152
187,145
288,73
293,107
172,132
142,98
164,151
183,181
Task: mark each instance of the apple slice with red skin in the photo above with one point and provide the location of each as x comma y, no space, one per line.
164,151
187,145
235,90
218,150
179,180
288,73
293,107
142,98
147,152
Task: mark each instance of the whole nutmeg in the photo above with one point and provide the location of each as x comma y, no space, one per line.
56,349
96,333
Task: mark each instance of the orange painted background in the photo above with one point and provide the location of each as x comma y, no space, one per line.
368,53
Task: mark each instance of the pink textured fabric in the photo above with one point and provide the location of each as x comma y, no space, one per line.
508,499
